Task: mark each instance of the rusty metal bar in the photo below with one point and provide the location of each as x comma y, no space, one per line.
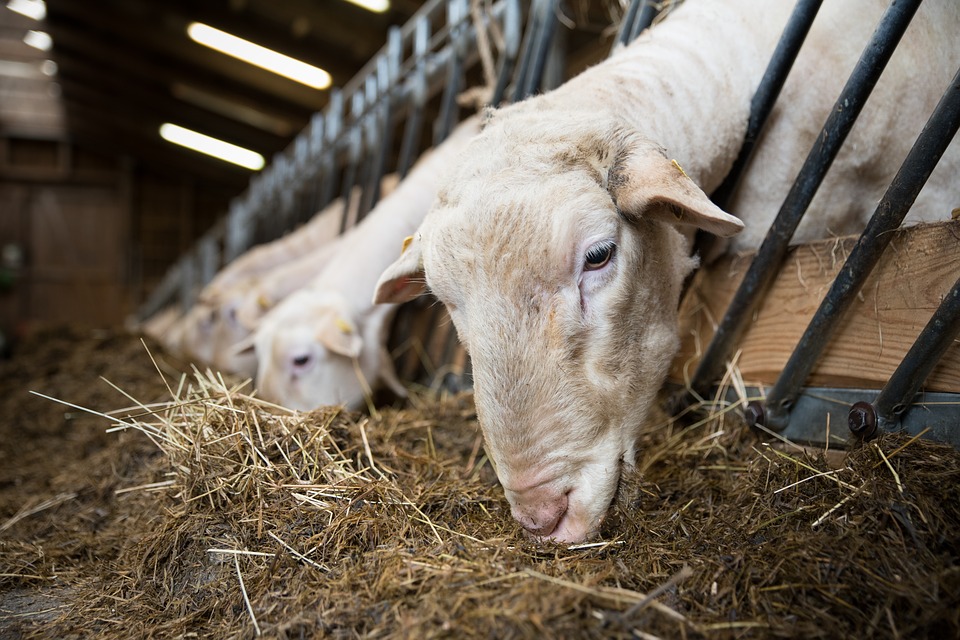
892,406
774,247
896,202
761,106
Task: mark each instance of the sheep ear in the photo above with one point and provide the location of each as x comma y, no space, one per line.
648,184
339,334
404,279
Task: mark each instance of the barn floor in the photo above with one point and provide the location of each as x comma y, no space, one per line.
216,515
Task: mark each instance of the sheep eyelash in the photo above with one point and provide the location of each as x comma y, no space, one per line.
599,255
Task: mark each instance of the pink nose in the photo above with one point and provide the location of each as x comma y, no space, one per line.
538,510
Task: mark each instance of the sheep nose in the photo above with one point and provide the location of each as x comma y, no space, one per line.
538,510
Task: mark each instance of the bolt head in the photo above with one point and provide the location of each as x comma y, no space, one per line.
753,414
862,420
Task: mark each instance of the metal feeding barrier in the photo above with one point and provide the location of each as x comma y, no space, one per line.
790,409
349,143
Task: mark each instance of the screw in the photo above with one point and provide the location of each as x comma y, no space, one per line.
862,420
753,414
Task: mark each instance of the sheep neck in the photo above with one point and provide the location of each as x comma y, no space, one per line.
683,86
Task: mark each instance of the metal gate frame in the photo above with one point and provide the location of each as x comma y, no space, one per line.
789,409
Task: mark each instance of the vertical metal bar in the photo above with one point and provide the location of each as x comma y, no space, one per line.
233,244
526,58
555,62
896,202
626,25
315,164
414,126
388,78
937,336
209,256
643,20
774,247
332,127
301,182
638,16
283,192
548,27
456,20
355,149
188,277
508,60
371,141
767,92
255,204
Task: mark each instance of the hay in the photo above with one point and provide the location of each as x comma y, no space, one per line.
215,514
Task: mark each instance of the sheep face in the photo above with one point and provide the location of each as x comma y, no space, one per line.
227,334
562,273
308,352
195,334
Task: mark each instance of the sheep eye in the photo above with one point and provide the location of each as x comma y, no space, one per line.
301,361
598,256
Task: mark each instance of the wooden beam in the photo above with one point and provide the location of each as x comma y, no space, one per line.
57,175
917,269
98,50
131,30
110,94
159,96
93,129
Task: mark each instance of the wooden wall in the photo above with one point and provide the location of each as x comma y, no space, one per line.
96,232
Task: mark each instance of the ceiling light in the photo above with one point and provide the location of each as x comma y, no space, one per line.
211,146
39,40
35,9
377,6
259,56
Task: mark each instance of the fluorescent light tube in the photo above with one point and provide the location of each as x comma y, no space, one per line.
35,9
259,56
211,146
377,6
39,40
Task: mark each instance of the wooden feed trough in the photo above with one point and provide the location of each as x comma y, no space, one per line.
917,269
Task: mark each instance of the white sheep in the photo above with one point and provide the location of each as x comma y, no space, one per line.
325,344
227,309
322,227
560,242
191,335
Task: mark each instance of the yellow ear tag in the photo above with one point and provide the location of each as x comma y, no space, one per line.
406,243
680,169
343,325
263,302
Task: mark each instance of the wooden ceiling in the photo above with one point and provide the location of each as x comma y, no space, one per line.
124,67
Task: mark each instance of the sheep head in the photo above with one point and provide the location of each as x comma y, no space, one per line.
560,252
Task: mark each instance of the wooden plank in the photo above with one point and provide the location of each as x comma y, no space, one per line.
77,256
917,269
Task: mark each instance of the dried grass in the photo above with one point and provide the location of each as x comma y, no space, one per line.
246,520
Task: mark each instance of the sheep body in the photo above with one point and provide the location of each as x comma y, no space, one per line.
561,239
